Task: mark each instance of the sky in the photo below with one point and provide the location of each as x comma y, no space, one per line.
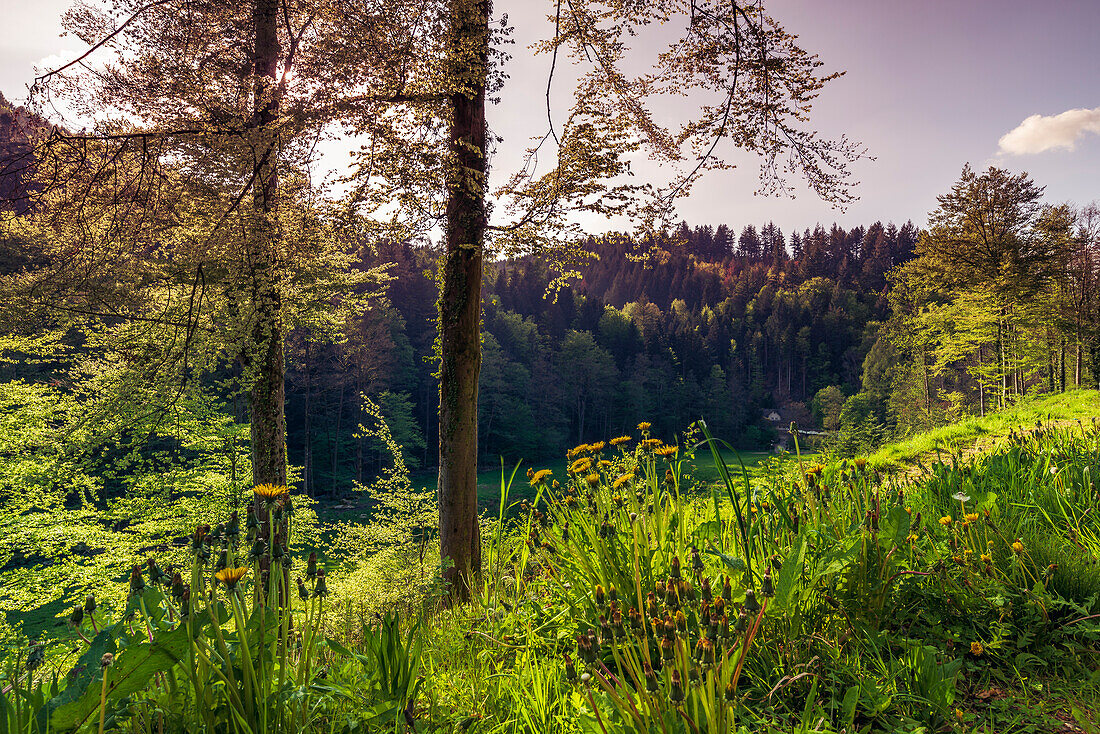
929,85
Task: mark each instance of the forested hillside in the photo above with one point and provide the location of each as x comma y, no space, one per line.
705,323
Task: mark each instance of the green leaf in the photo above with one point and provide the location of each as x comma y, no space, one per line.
788,575
132,670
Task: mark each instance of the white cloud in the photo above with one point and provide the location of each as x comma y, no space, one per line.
1040,133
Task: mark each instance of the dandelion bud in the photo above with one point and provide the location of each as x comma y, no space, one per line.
223,561
250,521
681,622
719,605
633,517
651,604
672,595
36,656
137,582
605,629
696,560
666,649
676,689
727,590
89,605
705,591
731,692
185,600
585,649
258,549
751,604
303,592
635,619
107,660
586,678
77,617
321,588
726,633
233,528
766,586
601,597
617,623
742,621
570,668
650,679
311,566
612,594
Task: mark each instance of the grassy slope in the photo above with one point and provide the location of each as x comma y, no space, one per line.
978,431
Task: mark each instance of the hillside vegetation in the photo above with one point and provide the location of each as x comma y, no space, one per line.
628,597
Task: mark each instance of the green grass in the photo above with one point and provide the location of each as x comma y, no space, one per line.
1073,405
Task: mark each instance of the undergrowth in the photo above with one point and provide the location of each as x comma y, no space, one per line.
624,595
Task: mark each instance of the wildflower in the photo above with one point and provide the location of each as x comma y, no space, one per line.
620,440
596,447
666,649
231,576
961,497
531,474
540,476
976,648
577,451
860,463
651,444
643,427
972,517
945,521
593,479
580,466
1017,547
986,558
667,451
600,595
107,660
674,568
269,492
959,714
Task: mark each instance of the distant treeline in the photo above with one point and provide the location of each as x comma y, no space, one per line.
709,324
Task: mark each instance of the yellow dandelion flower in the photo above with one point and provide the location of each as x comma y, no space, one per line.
592,479
620,440
231,576
644,426
576,451
541,476
667,451
976,648
972,517
604,463
580,466
1017,547
651,444
597,447
269,492
986,558
623,479
945,521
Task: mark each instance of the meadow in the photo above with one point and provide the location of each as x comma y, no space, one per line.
625,592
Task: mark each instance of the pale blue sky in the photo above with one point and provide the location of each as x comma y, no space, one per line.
930,85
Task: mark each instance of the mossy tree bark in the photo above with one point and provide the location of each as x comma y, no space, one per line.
460,300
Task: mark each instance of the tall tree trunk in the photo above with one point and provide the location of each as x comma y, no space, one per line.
267,396
460,300
307,456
